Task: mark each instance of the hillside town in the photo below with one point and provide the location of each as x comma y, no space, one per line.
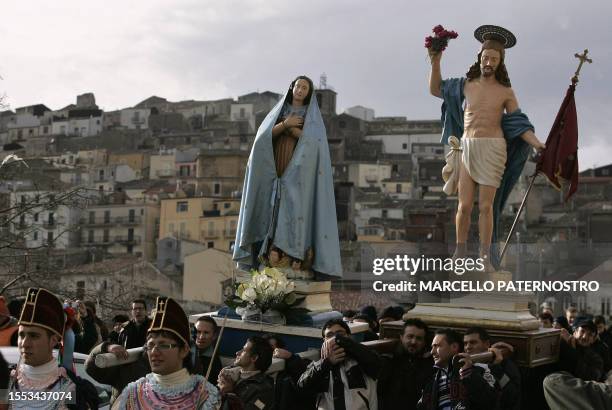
144,200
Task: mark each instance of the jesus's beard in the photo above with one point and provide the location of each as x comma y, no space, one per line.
488,72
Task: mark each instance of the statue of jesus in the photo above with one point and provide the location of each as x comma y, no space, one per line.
483,109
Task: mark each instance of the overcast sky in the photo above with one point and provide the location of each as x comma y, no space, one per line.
372,52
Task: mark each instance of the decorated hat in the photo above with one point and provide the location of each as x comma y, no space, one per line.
495,33
43,309
169,316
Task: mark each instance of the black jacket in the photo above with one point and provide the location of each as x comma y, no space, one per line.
251,394
403,378
286,393
201,363
316,379
116,376
582,362
86,339
508,378
132,335
477,391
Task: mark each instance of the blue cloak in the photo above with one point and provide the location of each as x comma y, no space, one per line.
296,211
513,126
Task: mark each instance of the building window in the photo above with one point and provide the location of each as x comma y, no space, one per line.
398,188
50,237
226,205
130,249
182,206
404,146
92,217
217,188
51,219
131,215
36,217
384,213
107,215
35,235
90,236
106,236
210,244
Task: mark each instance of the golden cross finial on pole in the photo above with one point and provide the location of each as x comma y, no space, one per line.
582,57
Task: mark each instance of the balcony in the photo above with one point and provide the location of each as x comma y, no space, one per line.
96,241
107,221
50,224
96,221
209,234
126,220
127,240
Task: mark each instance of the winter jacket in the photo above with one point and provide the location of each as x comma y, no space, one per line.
358,374
116,376
403,378
474,390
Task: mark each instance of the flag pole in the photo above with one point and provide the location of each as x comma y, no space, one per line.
583,58
518,215
220,336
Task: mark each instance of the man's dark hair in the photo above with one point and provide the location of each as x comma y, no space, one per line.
120,319
210,320
141,301
15,305
418,323
349,313
482,333
187,362
333,322
262,349
451,336
393,312
599,320
91,306
546,316
289,98
279,340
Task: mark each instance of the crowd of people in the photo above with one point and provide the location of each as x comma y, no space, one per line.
180,368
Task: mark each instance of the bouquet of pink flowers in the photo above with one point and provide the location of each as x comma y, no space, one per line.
439,41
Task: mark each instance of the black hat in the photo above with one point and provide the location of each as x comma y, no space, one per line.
170,316
43,309
495,33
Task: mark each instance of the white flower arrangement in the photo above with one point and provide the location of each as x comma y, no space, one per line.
267,289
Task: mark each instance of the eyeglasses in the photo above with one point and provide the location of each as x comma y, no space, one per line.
162,347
